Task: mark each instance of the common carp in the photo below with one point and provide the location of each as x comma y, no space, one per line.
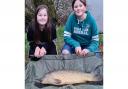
63,77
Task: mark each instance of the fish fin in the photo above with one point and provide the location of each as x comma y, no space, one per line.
57,81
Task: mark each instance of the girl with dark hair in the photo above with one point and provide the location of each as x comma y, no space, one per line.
81,34
41,34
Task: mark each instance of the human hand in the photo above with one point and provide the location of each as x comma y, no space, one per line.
84,52
37,52
42,51
78,50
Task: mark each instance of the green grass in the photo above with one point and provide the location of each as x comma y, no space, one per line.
101,39
26,49
60,40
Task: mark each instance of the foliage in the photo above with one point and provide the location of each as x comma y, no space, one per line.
28,18
101,42
50,5
60,40
31,6
26,48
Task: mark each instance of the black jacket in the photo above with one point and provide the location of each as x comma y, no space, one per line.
44,42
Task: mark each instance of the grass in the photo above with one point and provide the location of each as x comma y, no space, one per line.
26,49
60,41
101,42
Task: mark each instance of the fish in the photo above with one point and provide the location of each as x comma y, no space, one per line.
64,77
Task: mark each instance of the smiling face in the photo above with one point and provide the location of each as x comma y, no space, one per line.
79,8
42,17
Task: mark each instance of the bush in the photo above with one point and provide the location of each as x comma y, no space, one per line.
60,39
26,49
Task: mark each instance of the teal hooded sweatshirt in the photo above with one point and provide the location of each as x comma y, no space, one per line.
79,33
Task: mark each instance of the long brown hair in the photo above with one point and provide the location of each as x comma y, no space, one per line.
47,27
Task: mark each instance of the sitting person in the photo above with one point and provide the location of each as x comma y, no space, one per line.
81,34
41,34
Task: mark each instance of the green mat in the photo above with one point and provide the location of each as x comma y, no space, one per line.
35,70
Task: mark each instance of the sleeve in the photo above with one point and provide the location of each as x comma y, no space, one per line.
95,37
43,44
68,33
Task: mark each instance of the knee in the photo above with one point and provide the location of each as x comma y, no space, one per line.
65,52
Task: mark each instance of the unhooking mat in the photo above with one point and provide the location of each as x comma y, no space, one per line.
37,69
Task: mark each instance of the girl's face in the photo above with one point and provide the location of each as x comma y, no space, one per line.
79,8
42,17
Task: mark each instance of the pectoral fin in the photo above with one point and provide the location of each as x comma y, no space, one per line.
57,81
